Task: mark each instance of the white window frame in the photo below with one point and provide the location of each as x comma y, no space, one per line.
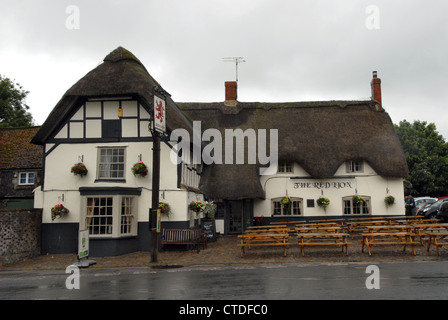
101,164
285,167
295,208
115,218
355,166
28,180
349,209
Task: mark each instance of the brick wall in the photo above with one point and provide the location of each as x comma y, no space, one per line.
19,234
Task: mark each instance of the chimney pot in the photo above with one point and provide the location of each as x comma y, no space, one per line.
231,91
376,88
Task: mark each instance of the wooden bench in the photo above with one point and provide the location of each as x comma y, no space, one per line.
264,238
371,239
323,239
189,237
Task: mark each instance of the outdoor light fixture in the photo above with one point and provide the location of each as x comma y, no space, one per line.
120,111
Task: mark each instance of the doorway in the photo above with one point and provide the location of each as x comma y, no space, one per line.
239,215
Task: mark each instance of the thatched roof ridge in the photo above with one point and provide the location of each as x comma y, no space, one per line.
120,74
320,136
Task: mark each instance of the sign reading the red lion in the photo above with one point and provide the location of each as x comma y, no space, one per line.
159,114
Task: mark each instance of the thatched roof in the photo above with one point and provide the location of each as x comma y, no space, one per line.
319,136
120,74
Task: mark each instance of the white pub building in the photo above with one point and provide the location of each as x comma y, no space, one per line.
336,159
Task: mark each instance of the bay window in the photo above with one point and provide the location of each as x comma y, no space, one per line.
110,216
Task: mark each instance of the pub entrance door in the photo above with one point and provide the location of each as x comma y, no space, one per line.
240,214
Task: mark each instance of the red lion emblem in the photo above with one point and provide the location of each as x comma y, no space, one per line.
160,111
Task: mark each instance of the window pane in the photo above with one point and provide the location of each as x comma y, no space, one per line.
126,215
296,208
277,208
99,215
287,209
31,178
22,178
347,207
111,163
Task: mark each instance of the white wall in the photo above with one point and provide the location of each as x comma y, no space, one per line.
61,186
367,183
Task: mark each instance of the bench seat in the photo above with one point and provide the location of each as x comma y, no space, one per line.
189,237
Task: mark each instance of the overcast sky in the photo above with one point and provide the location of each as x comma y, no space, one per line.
294,50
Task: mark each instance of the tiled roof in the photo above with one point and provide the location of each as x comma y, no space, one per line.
16,150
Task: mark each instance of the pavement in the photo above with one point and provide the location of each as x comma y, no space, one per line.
224,251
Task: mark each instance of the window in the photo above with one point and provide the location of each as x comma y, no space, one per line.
350,207
111,163
293,209
354,166
285,166
126,215
100,216
26,178
111,216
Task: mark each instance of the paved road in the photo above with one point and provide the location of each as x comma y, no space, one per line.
425,280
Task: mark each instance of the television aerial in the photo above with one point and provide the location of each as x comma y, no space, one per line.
235,60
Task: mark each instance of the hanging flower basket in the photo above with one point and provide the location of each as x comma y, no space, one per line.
323,202
58,211
140,169
79,169
389,200
286,201
197,206
164,208
357,201
209,209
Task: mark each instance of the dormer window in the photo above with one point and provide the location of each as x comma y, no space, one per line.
354,166
285,166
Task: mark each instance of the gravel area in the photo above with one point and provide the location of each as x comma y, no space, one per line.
224,251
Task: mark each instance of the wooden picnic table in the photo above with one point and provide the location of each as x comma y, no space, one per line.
268,227
323,239
389,235
314,229
390,228
361,226
321,224
435,232
287,222
437,238
273,237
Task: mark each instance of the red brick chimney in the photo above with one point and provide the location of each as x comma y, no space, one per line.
231,92
376,88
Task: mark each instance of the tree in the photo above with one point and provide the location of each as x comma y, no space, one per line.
13,109
427,156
